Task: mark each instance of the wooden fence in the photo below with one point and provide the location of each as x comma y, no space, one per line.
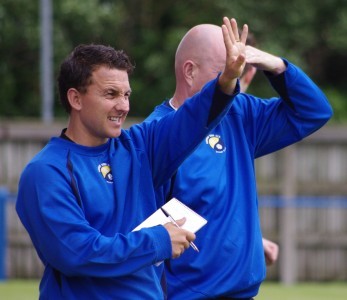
302,204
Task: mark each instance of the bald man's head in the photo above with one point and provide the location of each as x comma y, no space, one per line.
200,56
202,42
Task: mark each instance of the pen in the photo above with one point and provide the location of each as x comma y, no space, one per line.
172,220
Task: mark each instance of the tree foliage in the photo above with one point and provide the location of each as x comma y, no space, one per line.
308,32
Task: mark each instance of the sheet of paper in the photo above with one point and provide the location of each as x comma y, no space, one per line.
177,210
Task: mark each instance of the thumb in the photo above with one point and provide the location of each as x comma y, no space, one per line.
181,221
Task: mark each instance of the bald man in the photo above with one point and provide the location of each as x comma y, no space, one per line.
218,180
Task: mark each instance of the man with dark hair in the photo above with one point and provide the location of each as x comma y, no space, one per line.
81,197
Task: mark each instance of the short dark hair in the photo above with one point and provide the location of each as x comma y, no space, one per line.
76,70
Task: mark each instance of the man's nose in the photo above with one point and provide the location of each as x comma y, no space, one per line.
122,103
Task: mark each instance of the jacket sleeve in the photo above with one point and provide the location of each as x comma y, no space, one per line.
301,109
64,238
172,138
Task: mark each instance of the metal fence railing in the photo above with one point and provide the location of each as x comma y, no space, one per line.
310,230
3,199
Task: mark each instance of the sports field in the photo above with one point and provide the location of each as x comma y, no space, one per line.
28,290
303,291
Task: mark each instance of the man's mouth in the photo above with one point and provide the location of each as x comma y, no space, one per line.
115,119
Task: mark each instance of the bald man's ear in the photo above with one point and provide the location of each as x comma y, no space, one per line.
74,98
188,71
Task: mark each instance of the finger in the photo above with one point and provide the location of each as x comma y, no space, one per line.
181,221
179,252
191,236
240,60
244,34
235,30
227,23
227,41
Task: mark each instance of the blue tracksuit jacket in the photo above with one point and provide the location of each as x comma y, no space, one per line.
218,181
80,204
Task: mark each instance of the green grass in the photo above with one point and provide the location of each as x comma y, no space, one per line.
28,290
19,289
303,291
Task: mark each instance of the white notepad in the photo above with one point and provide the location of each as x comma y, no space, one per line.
177,210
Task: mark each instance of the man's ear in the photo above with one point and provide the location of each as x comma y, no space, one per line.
74,98
188,71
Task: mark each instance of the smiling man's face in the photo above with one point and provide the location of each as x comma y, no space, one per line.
102,109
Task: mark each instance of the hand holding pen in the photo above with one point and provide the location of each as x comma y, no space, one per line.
172,220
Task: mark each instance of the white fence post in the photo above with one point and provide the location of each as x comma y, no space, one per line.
287,230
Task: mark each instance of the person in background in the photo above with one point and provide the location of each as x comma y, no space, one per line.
218,180
271,249
83,194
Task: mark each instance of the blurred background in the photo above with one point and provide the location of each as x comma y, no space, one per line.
302,188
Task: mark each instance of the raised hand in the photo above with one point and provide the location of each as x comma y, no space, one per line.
264,61
235,54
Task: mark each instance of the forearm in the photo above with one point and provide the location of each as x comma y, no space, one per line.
303,96
177,134
87,253
265,61
67,240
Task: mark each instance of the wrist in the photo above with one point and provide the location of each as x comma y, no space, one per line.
279,68
227,86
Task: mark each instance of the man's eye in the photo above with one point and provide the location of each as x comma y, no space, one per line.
115,95
111,93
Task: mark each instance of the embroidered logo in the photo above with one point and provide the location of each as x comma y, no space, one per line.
215,143
105,171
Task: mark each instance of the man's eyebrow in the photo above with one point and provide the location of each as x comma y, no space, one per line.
117,90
